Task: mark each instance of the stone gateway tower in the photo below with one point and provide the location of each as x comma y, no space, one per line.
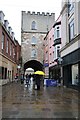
34,27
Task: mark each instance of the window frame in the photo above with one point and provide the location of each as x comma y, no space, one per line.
58,32
34,40
71,29
10,49
7,46
56,49
2,41
34,53
33,25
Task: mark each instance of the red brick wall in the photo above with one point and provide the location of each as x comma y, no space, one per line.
17,47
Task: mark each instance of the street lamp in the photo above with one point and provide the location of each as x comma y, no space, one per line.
60,60
19,66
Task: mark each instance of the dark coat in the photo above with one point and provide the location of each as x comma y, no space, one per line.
37,79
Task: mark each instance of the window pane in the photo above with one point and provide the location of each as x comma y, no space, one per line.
75,74
3,41
71,29
57,33
10,49
70,6
33,53
33,40
33,25
7,47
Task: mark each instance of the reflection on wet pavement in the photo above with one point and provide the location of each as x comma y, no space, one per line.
19,101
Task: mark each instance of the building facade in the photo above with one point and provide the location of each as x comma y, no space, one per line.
70,51
9,51
34,27
52,49
46,55
54,67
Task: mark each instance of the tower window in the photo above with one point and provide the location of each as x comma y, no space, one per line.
33,53
34,41
33,25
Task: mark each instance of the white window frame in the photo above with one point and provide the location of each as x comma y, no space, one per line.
58,32
3,39
71,28
56,48
71,5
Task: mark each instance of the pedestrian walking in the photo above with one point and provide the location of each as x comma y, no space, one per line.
37,81
27,80
22,78
16,77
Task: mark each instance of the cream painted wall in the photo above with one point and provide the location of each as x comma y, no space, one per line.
70,49
64,23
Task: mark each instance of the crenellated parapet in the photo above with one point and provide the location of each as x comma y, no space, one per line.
38,13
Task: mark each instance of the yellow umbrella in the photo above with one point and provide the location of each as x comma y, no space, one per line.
39,72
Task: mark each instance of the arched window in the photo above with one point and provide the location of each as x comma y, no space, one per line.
33,25
33,41
33,53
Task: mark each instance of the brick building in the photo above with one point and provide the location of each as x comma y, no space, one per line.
9,51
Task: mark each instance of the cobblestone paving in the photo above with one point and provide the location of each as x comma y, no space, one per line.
19,101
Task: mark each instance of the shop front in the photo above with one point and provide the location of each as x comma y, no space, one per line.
71,69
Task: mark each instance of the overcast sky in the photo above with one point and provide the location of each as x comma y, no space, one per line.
12,10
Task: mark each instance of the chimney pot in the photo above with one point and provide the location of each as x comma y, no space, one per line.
2,17
6,24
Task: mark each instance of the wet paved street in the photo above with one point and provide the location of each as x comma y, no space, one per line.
50,102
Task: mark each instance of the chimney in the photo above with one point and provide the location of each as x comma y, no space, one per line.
9,29
12,35
2,17
6,24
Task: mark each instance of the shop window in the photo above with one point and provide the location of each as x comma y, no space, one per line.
75,74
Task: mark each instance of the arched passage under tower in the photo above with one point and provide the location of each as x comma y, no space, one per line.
34,64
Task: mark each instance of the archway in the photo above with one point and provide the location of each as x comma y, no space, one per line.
34,64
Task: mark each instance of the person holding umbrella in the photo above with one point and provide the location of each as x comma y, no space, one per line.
38,76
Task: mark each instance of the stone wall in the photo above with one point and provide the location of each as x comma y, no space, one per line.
43,23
